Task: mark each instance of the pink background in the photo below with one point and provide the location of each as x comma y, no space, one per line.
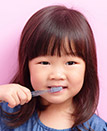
15,13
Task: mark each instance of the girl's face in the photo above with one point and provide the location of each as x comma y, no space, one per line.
53,71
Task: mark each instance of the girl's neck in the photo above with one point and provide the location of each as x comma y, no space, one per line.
58,116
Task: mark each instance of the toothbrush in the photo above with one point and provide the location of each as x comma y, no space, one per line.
40,92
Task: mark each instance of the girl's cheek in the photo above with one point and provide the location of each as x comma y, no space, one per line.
36,83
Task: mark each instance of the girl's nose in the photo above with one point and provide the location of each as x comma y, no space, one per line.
57,75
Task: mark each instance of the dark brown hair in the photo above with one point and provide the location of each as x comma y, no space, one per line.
45,33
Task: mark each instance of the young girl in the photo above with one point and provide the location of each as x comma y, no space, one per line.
57,49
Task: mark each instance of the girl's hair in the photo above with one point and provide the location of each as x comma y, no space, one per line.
51,31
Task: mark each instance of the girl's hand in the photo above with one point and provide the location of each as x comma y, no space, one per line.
15,94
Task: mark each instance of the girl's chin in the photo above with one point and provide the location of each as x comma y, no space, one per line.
46,101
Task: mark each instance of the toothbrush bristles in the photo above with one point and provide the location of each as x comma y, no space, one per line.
55,89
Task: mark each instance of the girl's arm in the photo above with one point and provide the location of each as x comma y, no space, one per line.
14,94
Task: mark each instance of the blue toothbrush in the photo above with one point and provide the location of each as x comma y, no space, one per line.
40,92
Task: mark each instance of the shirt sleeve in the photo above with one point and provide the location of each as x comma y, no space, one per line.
94,123
97,124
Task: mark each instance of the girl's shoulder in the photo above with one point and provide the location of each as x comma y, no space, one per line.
27,126
4,108
95,123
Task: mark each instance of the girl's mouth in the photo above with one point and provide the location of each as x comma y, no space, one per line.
63,87
55,89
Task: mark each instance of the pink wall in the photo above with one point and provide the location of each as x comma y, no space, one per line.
14,14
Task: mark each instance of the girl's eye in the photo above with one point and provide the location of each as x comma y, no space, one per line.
70,63
44,63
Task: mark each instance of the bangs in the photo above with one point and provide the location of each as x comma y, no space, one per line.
60,47
57,44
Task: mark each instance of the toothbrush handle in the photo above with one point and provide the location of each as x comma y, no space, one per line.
39,92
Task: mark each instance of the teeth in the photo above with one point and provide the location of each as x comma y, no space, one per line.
57,87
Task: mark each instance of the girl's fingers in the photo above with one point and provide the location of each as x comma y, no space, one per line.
12,102
27,93
22,97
